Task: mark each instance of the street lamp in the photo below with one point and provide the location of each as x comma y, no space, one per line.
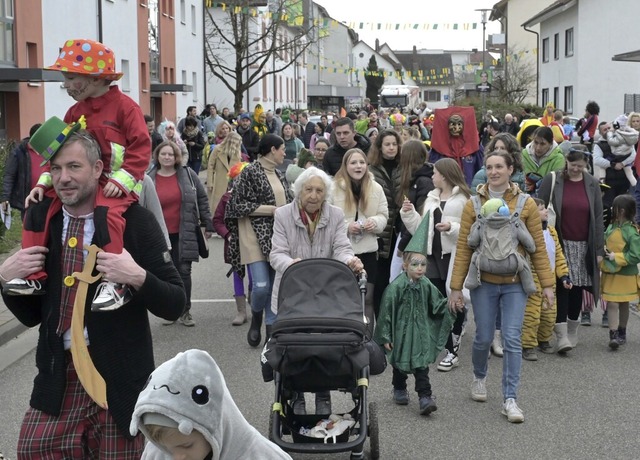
483,15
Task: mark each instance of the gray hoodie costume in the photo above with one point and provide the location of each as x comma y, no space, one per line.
190,390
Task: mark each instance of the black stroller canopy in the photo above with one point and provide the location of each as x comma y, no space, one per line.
319,287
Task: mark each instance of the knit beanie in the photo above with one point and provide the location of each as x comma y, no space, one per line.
305,156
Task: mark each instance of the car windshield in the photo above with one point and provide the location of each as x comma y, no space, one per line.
393,101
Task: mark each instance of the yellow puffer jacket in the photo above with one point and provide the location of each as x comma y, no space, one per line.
531,219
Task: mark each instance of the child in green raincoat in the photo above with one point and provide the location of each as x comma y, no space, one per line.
414,324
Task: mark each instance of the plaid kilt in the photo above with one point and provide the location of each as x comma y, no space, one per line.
83,430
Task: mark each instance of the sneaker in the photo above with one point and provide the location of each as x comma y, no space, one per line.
323,404
479,389
529,354
449,362
401,397
605,319
427,405
585,320
546,347
299,405
187,320
18,286
110,296
512,411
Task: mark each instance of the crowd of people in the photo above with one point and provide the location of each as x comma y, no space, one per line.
514,221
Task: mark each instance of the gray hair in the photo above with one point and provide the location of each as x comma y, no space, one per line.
310,173
88,142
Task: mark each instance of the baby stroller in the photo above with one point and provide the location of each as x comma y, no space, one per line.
318,344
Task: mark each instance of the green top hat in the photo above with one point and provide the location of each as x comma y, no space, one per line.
53,133
418,242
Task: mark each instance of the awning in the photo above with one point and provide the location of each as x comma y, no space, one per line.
171,88
631,56
15,75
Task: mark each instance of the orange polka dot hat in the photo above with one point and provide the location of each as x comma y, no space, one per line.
87,57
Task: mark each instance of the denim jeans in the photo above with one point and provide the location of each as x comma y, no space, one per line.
261,286
509,301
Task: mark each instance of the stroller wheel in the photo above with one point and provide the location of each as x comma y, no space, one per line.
374,434
357,456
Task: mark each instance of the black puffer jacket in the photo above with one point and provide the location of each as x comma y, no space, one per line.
421,185
390,185
17,176
333,157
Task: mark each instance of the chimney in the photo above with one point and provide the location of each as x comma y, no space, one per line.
377,45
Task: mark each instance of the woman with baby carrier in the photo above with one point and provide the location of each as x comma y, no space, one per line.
496,288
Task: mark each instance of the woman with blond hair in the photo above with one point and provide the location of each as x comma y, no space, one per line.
366,212
221,160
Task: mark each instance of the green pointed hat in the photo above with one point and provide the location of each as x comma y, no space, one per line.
418,242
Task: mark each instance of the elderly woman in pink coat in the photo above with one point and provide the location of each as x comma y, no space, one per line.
309,227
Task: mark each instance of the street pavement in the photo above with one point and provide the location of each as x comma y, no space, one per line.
583,406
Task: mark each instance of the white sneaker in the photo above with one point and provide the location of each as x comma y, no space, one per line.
479,389
18,286
110,296
449,362
512,411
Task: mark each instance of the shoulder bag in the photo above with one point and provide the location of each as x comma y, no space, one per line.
551,212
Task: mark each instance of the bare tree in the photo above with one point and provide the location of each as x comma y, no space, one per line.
518,79
243,47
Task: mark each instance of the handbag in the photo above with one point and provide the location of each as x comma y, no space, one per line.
203,244
551,212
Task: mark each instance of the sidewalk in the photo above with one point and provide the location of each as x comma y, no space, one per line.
10,327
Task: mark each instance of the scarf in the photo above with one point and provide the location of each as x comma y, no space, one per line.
310,221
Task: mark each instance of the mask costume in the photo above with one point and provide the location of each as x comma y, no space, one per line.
455,135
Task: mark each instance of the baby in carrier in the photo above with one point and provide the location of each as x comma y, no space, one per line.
495,237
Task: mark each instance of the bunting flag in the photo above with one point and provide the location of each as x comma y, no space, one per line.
294,9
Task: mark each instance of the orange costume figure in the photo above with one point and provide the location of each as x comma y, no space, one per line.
547,117
117,124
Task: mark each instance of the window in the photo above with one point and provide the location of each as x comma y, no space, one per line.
432,96
556,96
545,96
194,19
194,78
125,82
7,39
545,49
568,42
568,99
556,46
183,11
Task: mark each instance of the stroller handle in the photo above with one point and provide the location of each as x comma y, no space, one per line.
362,281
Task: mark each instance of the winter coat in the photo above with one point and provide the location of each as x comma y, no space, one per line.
189,225
595,242
308,131
217,170
292,147
250,141
333,157
421,185
195,150
16,184
414,318
451,213
552,161
390,186
377,210
291,240
529,216
250,191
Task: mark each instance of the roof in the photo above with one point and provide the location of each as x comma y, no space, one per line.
555,8
499,10
429,64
